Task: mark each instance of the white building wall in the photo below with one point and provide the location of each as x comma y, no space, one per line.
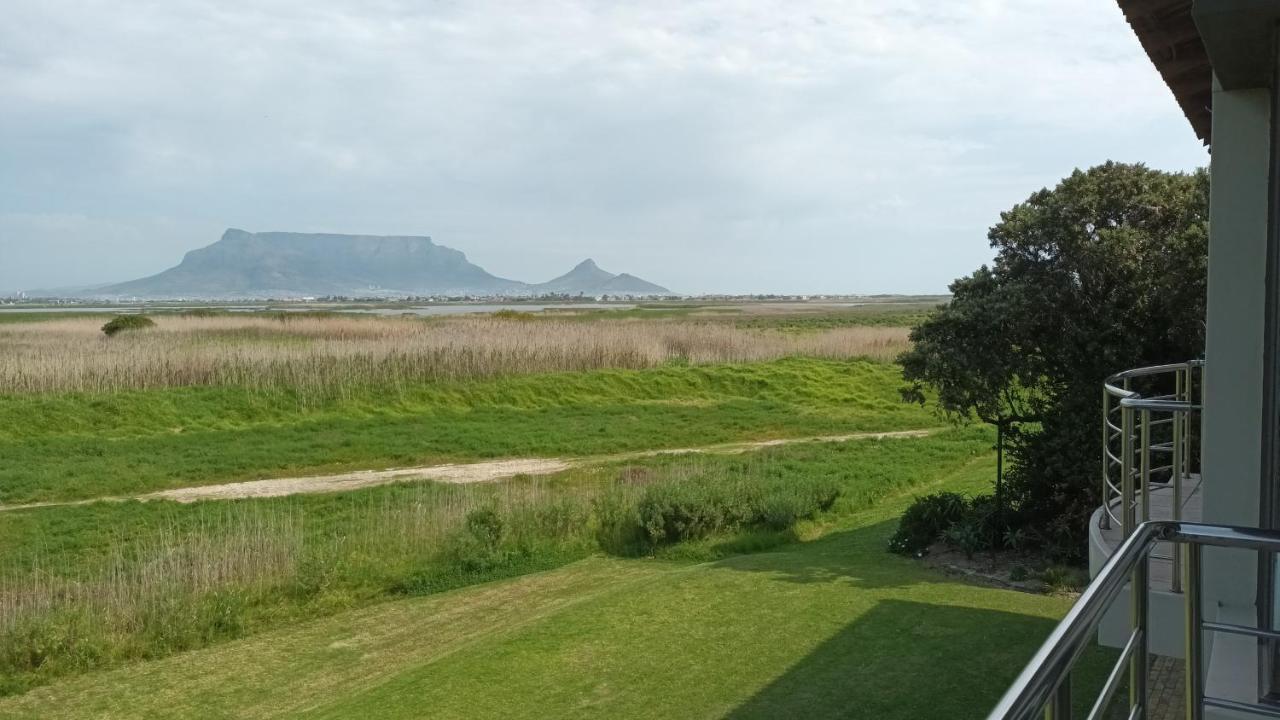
1232,423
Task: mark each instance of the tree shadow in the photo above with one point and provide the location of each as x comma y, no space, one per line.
858,557
912,660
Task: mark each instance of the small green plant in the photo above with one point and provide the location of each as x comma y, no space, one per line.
966,536
926,520
1063,578
121,323
1018,573
1016,539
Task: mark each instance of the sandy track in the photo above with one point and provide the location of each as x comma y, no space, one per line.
484,471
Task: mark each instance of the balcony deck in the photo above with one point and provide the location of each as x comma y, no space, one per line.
1161,509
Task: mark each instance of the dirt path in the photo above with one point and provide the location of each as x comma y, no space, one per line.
483,471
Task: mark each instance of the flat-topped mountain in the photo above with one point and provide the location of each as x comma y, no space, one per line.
283,265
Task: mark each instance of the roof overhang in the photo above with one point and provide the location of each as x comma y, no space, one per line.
1192,41
1238,36
1168,33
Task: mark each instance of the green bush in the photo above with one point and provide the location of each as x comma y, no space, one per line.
477,547
672,512
693,509
926,520
969,525
1064,578
486,527
120,323
966,536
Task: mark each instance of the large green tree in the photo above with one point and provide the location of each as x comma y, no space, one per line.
1104,272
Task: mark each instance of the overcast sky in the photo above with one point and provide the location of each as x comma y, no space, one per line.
791,146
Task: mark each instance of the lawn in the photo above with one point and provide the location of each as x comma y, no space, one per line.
74,446
828,627
103,584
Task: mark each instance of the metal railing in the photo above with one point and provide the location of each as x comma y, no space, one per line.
1149,421
1044,687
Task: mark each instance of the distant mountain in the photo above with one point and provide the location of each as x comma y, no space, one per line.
290,265
587,278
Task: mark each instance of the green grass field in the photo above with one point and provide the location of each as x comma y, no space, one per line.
831,627
112,583
747,585
67,447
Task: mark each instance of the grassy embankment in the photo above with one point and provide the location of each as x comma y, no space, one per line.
96,585
70,446
829,627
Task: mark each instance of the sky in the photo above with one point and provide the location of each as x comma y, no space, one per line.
792,146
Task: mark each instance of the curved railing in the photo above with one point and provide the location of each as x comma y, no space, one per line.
1150,418
1043,690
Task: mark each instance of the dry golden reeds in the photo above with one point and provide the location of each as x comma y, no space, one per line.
325,356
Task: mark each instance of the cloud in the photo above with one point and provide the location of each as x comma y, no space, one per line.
809,145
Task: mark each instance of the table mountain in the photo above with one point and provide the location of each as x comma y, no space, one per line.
285,265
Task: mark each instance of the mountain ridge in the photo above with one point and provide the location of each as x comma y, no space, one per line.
242,264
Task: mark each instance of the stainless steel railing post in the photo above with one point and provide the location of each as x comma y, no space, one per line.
1106,460
1178,447
1038,690
1059,708
1138,621
1144,459
1194,639
1126,471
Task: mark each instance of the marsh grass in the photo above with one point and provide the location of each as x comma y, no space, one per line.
124,581
194,579
321,357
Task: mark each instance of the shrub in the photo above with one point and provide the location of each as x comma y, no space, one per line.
1062,578
690,510
618,529
679,511
969,525
780,511
120,323
966,536
926,520
486,527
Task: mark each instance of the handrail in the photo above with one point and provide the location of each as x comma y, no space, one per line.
1044,686
1042,677
1135,427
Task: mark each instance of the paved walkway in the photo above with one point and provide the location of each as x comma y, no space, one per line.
1166,685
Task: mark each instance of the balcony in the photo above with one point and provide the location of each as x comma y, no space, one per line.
1150,472
1149,533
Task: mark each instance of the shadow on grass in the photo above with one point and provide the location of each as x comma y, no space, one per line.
859,557
902,658
905,660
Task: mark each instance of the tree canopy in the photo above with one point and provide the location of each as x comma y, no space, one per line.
1104,272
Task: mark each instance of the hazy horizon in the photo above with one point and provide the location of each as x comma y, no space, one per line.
811,147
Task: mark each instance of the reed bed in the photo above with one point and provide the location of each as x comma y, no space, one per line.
250,549
328,356
213,572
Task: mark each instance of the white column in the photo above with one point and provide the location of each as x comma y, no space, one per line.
1232,428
